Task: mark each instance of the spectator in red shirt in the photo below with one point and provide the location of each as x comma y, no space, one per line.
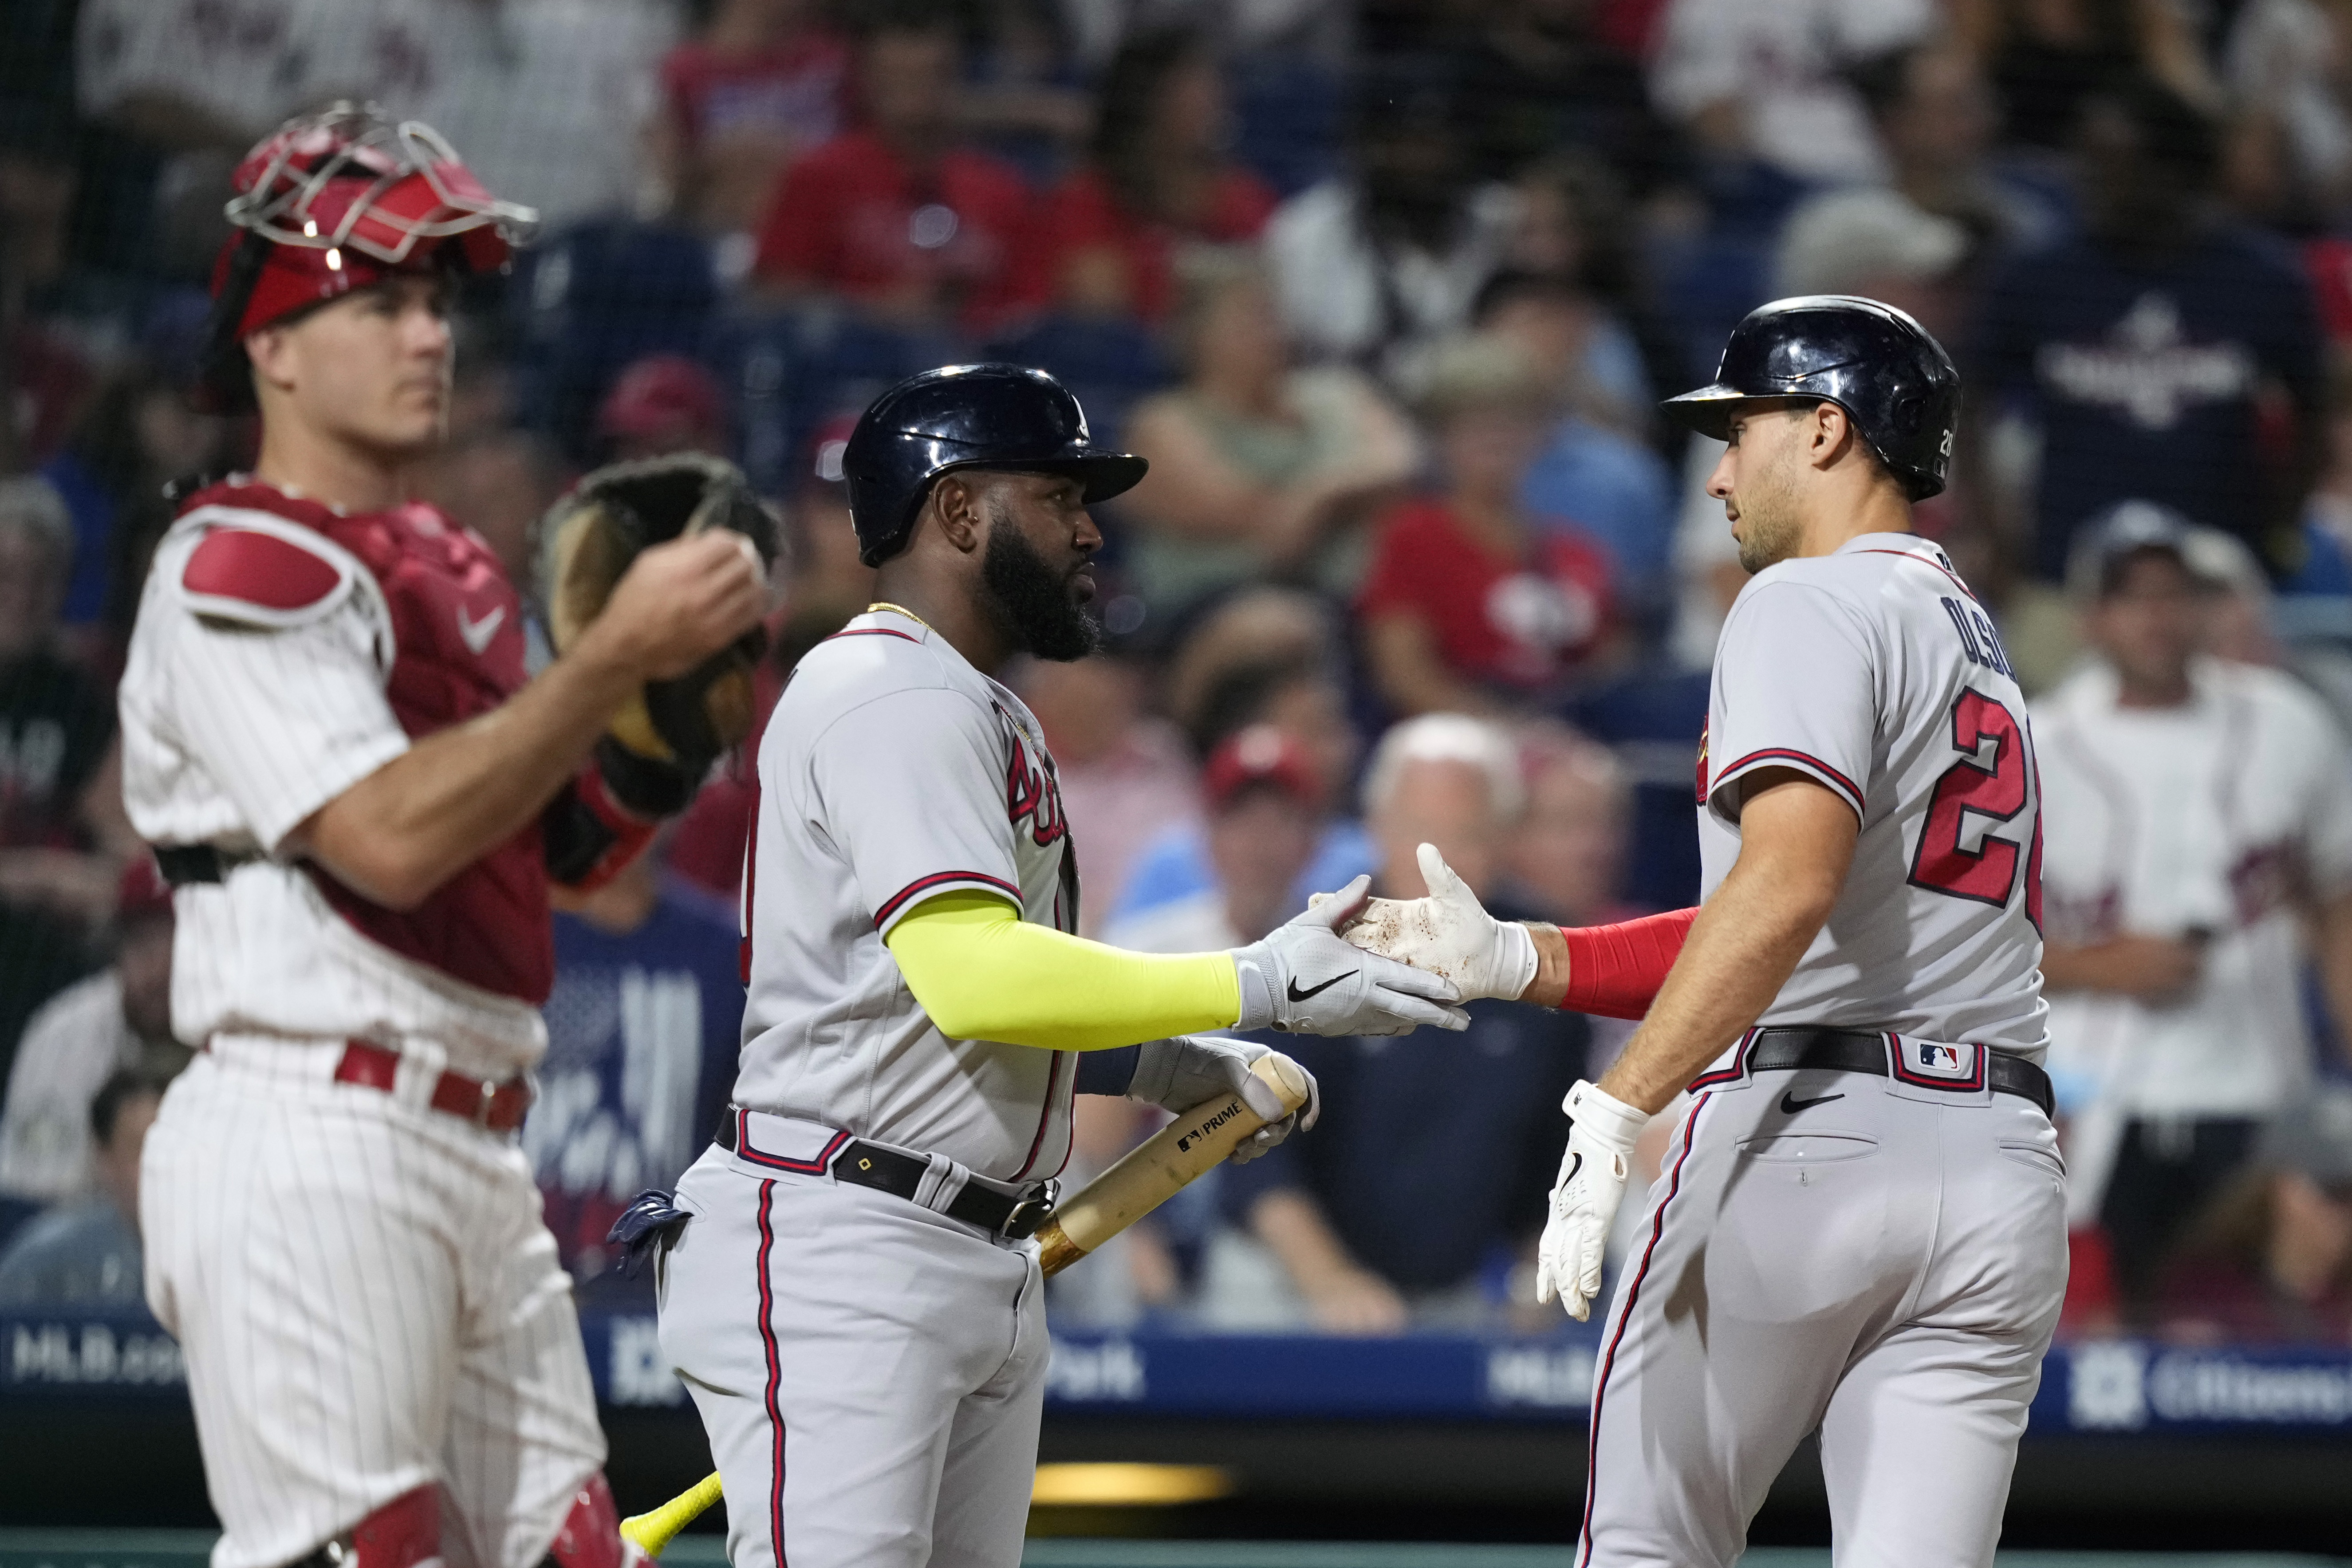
1157,176
1471,602
896,215
765,81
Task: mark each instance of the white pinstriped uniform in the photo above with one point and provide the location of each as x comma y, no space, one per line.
1878,1258
365,1293
870,1372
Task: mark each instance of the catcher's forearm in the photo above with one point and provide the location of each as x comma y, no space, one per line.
412,824
1797,842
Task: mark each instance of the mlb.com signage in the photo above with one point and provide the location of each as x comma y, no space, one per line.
2127,1385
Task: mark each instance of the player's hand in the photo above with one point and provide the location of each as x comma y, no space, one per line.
1187,1070
1449,934
1303,977
1592,1174
680,602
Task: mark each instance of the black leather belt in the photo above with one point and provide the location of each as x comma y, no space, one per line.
1014,1216
183,864
1858,1050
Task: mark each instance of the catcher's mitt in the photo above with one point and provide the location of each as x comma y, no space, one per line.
588,539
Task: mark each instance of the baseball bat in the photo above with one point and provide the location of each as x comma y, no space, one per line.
1144,1177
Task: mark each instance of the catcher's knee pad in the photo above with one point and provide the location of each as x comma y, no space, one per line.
403,1533
591,1536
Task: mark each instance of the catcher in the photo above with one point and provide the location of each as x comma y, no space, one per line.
362,803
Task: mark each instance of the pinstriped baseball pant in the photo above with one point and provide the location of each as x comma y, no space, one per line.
871,1374
368,1302
1875,1264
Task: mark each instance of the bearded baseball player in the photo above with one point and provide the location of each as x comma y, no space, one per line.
1859,1226
851,1297
329,737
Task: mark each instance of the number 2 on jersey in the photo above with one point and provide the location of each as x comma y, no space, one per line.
1998,789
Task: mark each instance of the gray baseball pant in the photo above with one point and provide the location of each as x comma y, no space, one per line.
1884,1264
870,1373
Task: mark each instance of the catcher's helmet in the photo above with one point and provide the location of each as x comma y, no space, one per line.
966,416
1893,379
336,201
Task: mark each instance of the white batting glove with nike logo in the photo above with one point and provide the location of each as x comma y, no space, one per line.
1593,1176
1449,934
1303,977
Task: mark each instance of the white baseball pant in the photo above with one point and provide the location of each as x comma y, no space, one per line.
1883,1263
871,1374
368,1303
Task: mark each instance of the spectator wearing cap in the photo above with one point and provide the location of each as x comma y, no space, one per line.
1422,1194
85,1252
1264,811
2165,354
1260,471
119,1018
897,215
1157,179
762,82
2196,820
63,834
660,405
1471,602
2271,1259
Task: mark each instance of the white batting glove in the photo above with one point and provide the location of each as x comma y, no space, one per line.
1187,1070
1584,1200
1303,977
1449,934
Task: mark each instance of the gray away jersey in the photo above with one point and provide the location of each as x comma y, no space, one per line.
1875,672
892,772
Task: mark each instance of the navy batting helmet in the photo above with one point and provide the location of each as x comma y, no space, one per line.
1895,382
966,416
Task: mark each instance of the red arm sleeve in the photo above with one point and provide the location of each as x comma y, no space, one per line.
1614,971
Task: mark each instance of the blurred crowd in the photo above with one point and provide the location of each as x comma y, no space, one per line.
1386,291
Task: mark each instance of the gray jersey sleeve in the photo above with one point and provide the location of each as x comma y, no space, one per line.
911,788
1795,688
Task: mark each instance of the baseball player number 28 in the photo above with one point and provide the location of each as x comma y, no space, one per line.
1995,788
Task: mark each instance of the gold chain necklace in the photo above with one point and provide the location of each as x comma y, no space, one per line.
899,610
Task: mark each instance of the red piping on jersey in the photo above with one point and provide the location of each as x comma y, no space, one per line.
1907,555
873,632
1614,971
1045,1117
890,905
1828,772
816,1167
1609,1358
776,1382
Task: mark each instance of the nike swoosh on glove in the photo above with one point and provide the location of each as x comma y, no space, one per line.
1303,977
1592,1174
1187,1070
1449,934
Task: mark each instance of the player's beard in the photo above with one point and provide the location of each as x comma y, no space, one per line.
1032,600
1772,530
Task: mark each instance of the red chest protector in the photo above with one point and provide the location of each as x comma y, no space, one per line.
458,635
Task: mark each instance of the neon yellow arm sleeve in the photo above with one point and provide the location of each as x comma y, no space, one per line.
982,972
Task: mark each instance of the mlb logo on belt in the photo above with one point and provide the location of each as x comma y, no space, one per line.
1938,1065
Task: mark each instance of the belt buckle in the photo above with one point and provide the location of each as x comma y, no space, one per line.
1034,1208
